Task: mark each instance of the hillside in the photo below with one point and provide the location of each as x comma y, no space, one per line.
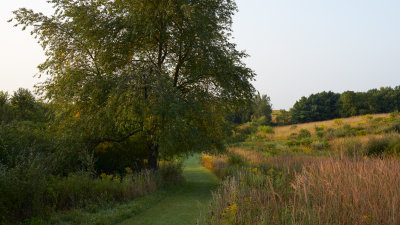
342,171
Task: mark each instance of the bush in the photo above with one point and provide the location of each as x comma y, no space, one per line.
293,142
329,134
345,131
293,136
381,145
318,145
392,128
304,133
26,191
236,160
338,122
266,129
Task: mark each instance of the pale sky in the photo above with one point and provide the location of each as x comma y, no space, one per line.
297,47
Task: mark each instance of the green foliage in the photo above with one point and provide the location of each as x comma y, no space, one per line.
344,131
284,117
385,145
28,191
329,105
338,122
266,129
353,148
304,133
21,106
161,71
262,109
236,160
293,136
318,145
317,107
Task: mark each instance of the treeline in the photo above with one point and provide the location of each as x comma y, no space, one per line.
258,110
21,106
330,105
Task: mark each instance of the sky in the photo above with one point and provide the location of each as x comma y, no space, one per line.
296,47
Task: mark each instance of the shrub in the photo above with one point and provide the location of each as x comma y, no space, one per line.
379,146
262,121
329,134
392,128
319,128
293,142
304,133
236,160
318,145
26,191
266,129
338,122
293,136
344,131
306,141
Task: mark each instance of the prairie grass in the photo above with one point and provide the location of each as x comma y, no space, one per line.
296,189
285,131
348,192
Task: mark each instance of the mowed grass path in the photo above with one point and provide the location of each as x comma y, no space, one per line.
183,205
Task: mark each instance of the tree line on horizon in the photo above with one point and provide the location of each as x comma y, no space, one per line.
329,105
318,107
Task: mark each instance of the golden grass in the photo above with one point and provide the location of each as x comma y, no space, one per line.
349,192
311,190
282,132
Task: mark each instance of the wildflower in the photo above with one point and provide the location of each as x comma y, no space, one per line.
271,170
255,170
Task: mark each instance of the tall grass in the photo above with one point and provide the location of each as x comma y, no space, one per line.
348,192
308,190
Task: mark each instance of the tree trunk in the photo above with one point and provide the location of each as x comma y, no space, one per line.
153,157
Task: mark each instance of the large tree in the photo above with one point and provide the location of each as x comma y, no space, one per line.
160,70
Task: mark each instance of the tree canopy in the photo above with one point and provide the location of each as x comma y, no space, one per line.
329,105
154,70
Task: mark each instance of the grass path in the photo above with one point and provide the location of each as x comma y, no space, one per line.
183,205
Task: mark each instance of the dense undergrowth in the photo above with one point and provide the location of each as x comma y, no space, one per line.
29,193
43,171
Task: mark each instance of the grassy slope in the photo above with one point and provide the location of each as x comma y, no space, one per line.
285,131
183,205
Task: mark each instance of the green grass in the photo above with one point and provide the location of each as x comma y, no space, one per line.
178,205
185,204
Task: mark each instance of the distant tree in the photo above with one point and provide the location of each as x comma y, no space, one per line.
6,114
262,108
284,117
317,107
23,103
158,71
239,114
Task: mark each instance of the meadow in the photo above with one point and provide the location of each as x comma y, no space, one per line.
342,171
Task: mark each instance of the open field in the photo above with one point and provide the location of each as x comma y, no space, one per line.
284,131
343,171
